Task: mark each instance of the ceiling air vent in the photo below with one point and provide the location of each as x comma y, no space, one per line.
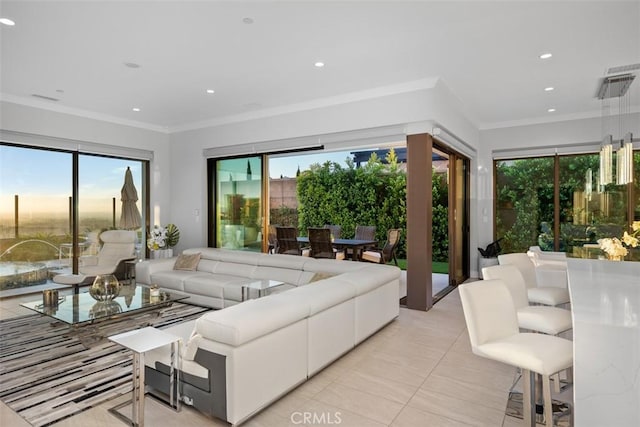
614,86
48,98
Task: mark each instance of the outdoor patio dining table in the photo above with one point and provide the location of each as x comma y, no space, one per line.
355,244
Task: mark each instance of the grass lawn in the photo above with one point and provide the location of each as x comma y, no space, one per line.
438,267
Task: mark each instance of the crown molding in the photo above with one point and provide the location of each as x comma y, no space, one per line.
50,106
545,120
422,84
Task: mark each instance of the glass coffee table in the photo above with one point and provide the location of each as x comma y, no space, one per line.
82,308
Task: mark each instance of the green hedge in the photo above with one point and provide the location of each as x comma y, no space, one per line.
373,194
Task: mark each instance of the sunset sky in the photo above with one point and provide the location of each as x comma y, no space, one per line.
42,179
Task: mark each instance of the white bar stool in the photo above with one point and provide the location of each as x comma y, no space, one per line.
494,333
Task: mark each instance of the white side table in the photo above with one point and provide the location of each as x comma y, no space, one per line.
140,341
261,286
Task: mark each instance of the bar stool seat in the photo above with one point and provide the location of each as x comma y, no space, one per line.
555,293
493,329
538,318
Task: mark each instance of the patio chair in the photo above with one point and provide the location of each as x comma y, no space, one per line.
287,241
272,239
118,247
364,232
336,230
387,253
321,245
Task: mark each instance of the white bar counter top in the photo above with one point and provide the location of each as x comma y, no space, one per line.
605,304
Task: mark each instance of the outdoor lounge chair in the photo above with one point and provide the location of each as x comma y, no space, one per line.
118,247
387,252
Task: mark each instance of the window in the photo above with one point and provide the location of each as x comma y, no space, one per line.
37,203
526,191
237,193
524,203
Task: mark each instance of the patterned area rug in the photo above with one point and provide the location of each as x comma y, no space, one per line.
50,371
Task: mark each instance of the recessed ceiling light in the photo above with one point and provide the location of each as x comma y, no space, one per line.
211,91
551,110
548,89
319,64
7,21
131,65
136,109
546,56
247,20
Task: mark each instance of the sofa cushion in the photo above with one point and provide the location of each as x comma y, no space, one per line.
172,279
282,261
187,262
319,297
368,279
244,322
237,257
331,266
235,269
207,265
214,284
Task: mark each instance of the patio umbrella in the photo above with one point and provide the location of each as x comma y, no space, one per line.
130,217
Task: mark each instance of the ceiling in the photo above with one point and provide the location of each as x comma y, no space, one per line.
486,53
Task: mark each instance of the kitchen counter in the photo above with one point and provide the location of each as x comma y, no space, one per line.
605,303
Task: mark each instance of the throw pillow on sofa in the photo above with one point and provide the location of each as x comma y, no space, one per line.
187,262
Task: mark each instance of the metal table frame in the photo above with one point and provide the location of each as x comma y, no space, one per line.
140,341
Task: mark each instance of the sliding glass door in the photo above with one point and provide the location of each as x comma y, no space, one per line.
237,200
54,205
458,219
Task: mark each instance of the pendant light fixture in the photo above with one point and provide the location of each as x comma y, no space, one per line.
614,123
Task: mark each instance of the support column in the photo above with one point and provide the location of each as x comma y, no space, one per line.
419,219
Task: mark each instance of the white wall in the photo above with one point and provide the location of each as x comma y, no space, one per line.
36,121
415,111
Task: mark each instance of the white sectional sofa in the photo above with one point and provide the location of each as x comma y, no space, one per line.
238,360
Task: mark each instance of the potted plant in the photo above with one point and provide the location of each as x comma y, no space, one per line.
162,240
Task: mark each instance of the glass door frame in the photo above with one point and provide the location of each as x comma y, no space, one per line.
459,229
74,214
212,191
458,257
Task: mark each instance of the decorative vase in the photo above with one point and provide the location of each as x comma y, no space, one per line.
162,253
105,287
615,257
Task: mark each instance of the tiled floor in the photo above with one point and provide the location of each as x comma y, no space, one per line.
417,371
